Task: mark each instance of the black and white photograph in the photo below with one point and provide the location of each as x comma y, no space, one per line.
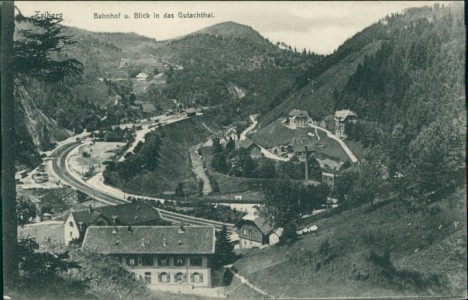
233,150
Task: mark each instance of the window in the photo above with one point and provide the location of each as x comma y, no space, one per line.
163,261
71,224
139,261
148,277
131,261
197,277
196,261
179,277
179,261
147,261
164,277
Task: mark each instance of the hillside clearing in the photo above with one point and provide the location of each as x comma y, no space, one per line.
275,134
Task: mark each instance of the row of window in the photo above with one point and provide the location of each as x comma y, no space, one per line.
163,261
165,277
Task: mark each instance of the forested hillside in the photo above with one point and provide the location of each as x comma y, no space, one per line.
226,65
230,62
396,232
404,77
410,98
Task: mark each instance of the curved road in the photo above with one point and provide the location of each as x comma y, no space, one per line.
59,166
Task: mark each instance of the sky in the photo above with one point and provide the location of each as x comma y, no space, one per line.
318,26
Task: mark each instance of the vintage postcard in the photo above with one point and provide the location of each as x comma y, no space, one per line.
241,150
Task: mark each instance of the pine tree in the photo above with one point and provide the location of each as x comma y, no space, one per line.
31,55
224,250
230,146
217,148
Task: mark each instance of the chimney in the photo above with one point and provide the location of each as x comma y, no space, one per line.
80,226
164,243
142,242
306,164
114,230
129,228
113,219
90,209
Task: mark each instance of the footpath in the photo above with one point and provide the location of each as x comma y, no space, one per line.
345,147
198,169
245,281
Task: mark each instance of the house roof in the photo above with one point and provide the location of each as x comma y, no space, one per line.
262,224
248,144
298,113
134,213
86,217
150,240
138,212
343,114
142,75
299,144
148,107
231,130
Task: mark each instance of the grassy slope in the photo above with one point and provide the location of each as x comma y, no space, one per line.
275,134
425,258
174,162
249,187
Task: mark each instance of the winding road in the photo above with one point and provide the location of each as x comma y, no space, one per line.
343,145
60,167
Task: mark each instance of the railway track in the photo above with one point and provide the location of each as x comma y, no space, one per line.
59,165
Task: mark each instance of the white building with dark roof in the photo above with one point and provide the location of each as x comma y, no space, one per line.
256,231
298,118
342,117
159,255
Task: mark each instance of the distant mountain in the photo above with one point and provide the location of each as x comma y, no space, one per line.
227,64
232,30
